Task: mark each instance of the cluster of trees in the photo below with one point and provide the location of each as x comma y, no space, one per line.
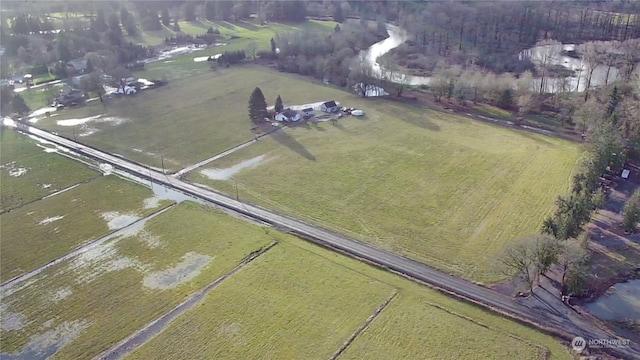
608,150
325,56
231,57
11,102
207,38
490,33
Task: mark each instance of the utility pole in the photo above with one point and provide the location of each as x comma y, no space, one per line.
237,197
74,134
162,159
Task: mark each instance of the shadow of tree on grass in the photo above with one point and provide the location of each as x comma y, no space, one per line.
286,140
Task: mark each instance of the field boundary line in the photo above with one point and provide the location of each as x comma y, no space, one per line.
79,250
49,195
364,326
155,327
546,354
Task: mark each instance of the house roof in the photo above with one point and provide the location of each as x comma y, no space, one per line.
330,104
289,113
307,109
78,64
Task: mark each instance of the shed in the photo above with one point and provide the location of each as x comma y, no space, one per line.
625,174
329,106
308,112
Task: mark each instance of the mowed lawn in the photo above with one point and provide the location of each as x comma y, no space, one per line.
299,301
84,306
188,120
28,173
438,188
37,233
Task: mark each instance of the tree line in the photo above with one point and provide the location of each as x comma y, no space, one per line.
608,151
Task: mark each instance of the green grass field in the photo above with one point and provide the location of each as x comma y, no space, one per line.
439,188
288,305
44,230
299,301
188,120
91,302
45,173
414,328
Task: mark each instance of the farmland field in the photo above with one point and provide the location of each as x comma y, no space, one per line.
83,306
300,302
208,113
413,328
44,230
28,173
439,188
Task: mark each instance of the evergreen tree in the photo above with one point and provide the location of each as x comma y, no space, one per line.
114,23
210,10
130,25
100,23
631,210
273,46
278,107
124,14
19,105
612,105
166,19
506,99
257,106
338,15
89,66
176,26
190,11
64,50
337,28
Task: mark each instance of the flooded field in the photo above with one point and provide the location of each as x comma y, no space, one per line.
39,232
227,173
144,272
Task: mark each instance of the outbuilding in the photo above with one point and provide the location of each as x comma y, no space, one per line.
329,107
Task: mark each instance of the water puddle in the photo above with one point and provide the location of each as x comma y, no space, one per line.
97,119
76,122
151,203
101,259
45,345
622,302
59,295
116,220
17,172
206,58
50,220
225,174
10,320
186,270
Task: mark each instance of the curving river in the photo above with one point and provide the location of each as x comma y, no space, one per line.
577,82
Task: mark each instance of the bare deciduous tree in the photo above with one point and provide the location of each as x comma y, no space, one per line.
591,57
551,50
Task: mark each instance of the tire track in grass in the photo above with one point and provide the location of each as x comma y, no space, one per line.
363,327
140,337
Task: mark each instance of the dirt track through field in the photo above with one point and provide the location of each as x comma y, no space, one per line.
222,154
363,327
155,327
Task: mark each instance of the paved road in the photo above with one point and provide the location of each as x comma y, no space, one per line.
565,325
